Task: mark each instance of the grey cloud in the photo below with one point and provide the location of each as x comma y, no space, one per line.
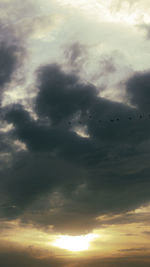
146,233
59,160
146,28
107,65
12,48
125,218
8,62
117,262
31,177
134,249
61,95
16,257
13,20
138,91
11,56
76,56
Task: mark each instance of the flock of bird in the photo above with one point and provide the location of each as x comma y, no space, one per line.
140,116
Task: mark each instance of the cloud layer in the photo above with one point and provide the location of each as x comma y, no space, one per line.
78,154
91,175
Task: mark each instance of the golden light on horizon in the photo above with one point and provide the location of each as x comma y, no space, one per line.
74,243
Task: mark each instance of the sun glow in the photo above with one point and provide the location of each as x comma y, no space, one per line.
74,243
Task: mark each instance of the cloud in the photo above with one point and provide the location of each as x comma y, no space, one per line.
30,256
125,218
146,232
138,91
117,262
8,62
90,175
27,257
12,56
61,95
13,46
146,28
11,60
76,55
134,249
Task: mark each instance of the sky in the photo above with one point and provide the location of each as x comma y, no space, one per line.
74,133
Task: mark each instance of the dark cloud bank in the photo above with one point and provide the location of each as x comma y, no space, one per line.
17,257
77,178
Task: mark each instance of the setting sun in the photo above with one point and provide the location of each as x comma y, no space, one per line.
74,243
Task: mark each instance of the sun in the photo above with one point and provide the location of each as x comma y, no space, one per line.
74,243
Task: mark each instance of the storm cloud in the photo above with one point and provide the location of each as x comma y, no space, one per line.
91,175
138,89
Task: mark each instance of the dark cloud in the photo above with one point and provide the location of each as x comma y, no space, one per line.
11,256
8,62
16,27
138,90
146,232
62,95
136,261
12,48
134,249
12,55
92,176
31,176
11,60
14,256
